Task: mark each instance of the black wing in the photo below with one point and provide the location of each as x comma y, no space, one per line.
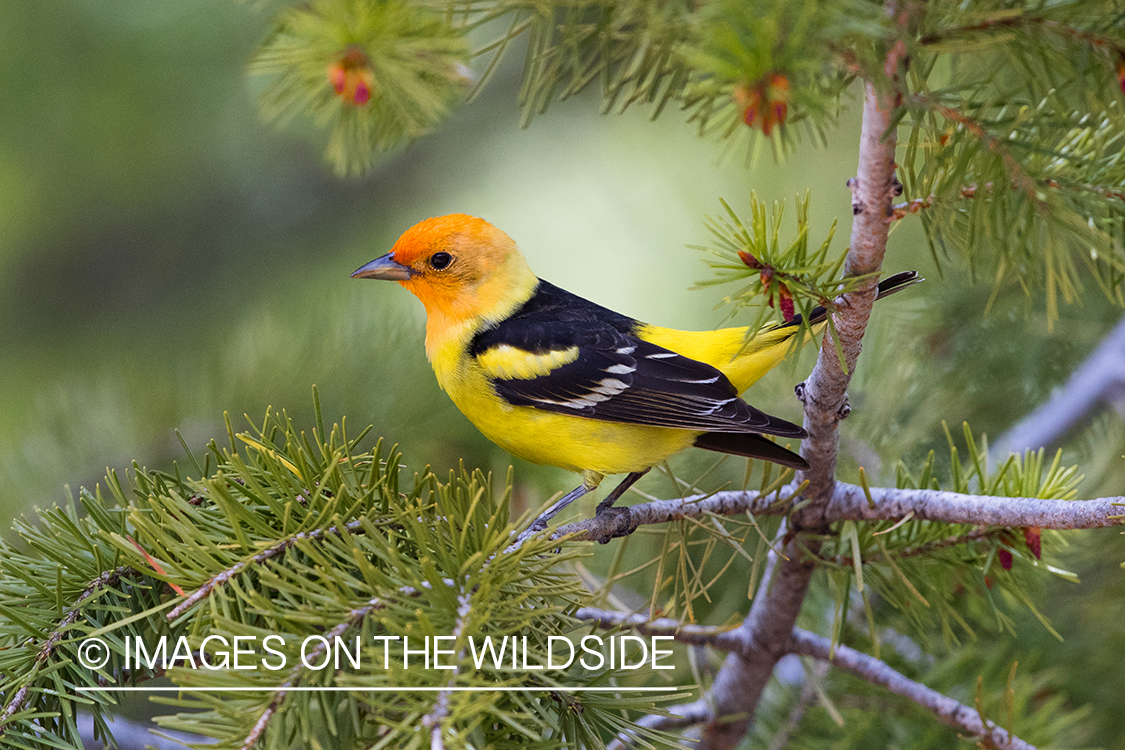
616,376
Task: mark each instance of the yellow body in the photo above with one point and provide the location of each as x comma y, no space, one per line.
576,443
487,280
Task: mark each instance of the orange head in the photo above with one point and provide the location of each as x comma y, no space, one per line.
461,267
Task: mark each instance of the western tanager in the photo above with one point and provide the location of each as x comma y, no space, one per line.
559,380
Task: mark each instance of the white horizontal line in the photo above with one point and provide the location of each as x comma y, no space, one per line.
376,689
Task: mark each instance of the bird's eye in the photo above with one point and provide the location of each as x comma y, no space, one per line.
439,261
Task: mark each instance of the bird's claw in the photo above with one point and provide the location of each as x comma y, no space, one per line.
620,528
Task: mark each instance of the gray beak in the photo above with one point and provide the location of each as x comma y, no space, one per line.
383,267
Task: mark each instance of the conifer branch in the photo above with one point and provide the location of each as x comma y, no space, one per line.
1024,21
1019,176
952,712
629,518
55,637
803,642
355,526
849,503
355,617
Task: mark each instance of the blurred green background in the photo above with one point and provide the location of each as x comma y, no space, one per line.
166,257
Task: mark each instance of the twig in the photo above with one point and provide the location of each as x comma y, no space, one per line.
610,525
952,712
850,503
901,210
434,719
724,639
739,644
220,579
1100,379
355,617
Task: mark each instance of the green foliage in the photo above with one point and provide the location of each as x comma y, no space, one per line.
1016,136
1013,158
66,584
949,576
741,43
299,535
630,48
791,277
410,61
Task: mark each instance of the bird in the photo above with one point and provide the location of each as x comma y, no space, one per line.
559,380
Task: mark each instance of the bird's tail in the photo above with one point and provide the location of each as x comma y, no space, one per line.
751,446
888,286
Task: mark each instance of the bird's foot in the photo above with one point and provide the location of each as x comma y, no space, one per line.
620,521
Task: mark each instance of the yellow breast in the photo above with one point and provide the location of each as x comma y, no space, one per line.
573,443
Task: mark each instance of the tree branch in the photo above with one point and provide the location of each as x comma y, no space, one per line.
849,502
724,639
612,525
1099,380
739,684
952,712
737,642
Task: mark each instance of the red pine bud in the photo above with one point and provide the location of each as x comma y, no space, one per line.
787,310
764,103
362,93
749,259
1033,535
352,78
338,77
